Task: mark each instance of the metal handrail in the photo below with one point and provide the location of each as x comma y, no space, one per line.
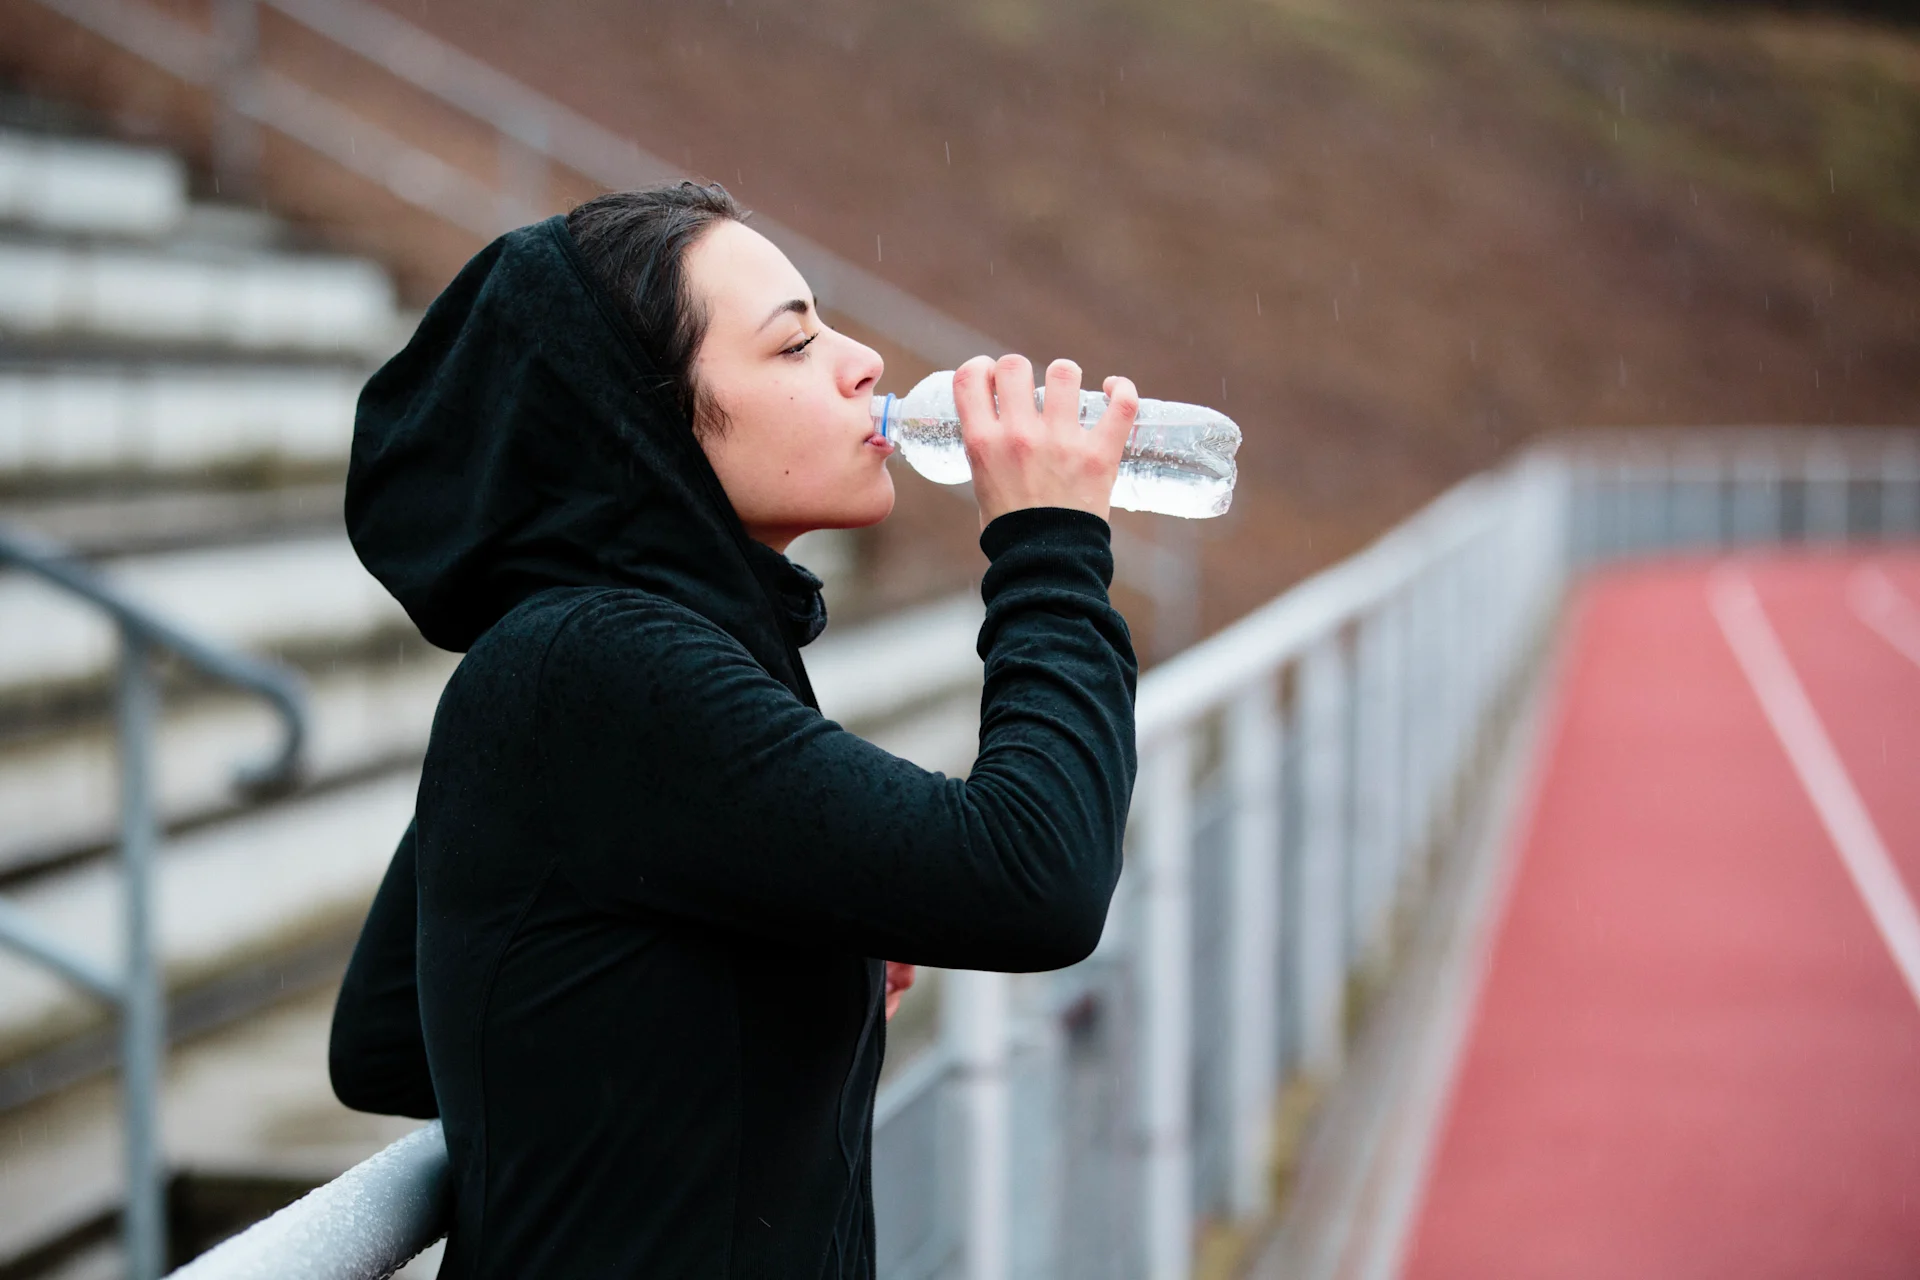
137,989
535,124
273,682
373,1218
530,125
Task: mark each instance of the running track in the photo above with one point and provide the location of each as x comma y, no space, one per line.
1695,1052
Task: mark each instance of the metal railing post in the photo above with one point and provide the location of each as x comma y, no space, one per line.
236,139
1609,507
1827,482
1642,503
1900,488
1451,659
1583,519
1378,785
142,1013
1695,478
977,1022
525,175
1756,495
1416,806
1322,941
1166,987
1406,832
1254,758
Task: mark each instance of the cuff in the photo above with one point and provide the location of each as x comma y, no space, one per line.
1062,527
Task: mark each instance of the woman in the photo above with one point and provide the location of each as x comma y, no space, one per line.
625,952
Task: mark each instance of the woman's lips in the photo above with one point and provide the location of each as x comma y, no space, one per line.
880,442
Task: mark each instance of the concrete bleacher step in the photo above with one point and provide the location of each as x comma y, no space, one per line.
58,788
99,243
62,419
307,593
228,895
312,592
90,187
249,886
103,521
187,294
911,680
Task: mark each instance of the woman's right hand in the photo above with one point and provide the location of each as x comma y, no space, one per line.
1022,457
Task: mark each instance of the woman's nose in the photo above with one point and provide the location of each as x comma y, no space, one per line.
860,369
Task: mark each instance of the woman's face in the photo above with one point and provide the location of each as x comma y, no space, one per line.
797,450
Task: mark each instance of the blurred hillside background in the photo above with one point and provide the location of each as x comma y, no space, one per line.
1392,238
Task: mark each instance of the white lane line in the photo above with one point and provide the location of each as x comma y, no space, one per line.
1757,648
1883,607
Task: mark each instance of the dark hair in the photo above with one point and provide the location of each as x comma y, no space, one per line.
635,243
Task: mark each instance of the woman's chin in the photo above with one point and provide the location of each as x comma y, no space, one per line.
877,504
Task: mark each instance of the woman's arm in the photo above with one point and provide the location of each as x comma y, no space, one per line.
377,1056
684,779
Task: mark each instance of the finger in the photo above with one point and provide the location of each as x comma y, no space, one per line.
1063,394
973,395
1013,389
1123,406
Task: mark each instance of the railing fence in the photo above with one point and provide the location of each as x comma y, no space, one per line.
1298,771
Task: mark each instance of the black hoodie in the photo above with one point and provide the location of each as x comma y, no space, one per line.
627,950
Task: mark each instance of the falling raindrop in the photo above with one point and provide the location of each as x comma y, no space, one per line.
948,146
1256,302
876,249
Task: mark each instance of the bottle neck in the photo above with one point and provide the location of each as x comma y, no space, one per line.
884,410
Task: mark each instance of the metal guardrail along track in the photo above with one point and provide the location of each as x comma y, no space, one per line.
1295,769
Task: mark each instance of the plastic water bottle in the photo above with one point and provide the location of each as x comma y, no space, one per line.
1178,461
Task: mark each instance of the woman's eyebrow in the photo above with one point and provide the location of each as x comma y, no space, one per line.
794,306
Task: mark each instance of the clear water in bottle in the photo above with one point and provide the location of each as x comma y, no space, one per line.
1178,461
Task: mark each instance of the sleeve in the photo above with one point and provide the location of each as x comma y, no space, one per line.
377,1053
685,780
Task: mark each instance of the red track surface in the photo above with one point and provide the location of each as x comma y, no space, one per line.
1694,1054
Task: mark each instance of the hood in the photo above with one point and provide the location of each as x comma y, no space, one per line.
522,441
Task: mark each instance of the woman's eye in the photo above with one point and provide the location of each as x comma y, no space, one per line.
800,346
